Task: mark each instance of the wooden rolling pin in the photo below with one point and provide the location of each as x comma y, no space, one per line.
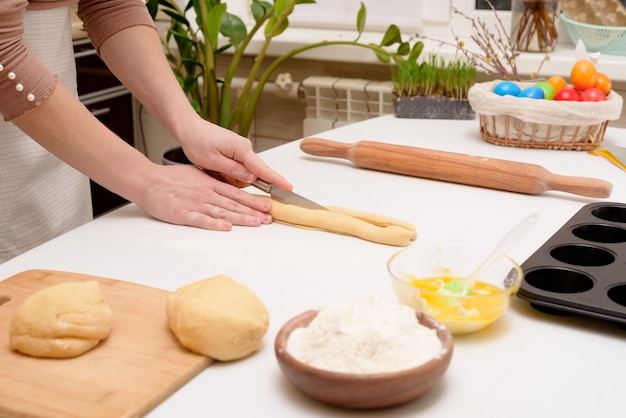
456,168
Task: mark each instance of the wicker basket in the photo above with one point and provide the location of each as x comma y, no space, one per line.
542,124
605,39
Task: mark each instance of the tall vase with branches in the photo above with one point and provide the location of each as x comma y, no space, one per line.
201,43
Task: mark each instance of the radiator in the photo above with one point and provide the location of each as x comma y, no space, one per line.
333,102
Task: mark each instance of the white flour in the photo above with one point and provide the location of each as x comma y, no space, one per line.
365,336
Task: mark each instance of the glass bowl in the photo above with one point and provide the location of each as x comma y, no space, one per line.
420,276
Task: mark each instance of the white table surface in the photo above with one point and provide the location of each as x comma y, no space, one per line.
526,364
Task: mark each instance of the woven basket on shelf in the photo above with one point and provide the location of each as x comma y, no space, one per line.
542,124
605,39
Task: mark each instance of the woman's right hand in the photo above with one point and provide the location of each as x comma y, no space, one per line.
220,150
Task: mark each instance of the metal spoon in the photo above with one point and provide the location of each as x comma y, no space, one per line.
510,240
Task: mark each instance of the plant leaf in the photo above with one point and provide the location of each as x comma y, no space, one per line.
382,56
392,36
259,9
153,8
416,51
222,48
360,19
403,48
213,23
177,17
282,6
233,28
188,6
271,29
167,4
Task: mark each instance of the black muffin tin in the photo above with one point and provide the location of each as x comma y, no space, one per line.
582,268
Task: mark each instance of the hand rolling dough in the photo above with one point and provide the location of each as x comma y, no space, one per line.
366,225
218,317
61,321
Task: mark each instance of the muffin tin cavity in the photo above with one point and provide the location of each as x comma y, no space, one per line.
618,294
582,255
558,280
582,267
610,213
600,233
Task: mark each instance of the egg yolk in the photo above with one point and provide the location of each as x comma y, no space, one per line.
449,307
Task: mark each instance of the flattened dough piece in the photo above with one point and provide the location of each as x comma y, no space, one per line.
61,321
366,225
218,317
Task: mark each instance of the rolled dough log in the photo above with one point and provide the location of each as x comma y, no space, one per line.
61,321
218,317
365,225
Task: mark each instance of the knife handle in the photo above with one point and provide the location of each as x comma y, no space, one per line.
263,185
457,168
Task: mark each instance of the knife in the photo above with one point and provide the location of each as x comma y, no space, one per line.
285,196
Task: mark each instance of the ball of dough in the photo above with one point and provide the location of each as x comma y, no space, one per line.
61,321
218,317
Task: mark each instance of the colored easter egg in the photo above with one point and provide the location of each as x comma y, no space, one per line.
548,89
507,88
532,93
557,82
568,94
593,94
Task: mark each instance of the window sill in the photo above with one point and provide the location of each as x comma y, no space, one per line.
560,61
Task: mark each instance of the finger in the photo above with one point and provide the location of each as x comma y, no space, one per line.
218,218
246,166
238,201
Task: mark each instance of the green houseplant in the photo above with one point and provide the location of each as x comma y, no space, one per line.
201,42
433,88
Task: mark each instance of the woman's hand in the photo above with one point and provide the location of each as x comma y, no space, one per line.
214,148
185,195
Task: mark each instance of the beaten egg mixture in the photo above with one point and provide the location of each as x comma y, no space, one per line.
460,308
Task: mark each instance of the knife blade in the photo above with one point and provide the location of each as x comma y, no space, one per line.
285,196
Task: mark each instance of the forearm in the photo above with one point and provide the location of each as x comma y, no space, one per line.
136,57
63,126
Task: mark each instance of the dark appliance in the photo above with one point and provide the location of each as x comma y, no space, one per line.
107,99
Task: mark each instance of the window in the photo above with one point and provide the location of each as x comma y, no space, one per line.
342,14
410,15
431,17
498,4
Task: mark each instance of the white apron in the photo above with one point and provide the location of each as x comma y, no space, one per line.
40,196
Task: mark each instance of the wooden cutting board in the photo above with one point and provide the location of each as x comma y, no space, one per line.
138,366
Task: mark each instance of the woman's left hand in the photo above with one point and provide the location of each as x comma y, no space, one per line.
186,195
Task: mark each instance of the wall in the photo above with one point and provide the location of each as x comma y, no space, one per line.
279,119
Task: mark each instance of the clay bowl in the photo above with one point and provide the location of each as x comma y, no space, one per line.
362,391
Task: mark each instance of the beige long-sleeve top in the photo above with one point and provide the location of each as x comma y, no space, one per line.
24,81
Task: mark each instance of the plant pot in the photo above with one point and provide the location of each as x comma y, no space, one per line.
432,107
175,156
